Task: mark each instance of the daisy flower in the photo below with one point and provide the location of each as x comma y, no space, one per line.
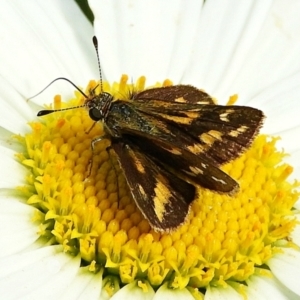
68,235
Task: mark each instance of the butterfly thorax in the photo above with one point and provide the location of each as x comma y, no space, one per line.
125,119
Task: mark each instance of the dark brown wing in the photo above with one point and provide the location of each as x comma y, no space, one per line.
169,143
163,198
186,165
175,93
218,133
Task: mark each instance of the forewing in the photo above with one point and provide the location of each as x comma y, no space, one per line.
194,151
163,199
176,93
218,133
215,133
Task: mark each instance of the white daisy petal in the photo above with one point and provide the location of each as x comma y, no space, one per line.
47,51
280,87
133,291
267,287
6,141
286,267
167,294
287,137
223,45
85,285
283,110
11,120
36,273
274,54
148,36
227,293
15,111
12,173
279,103
295,235
290,145
17,231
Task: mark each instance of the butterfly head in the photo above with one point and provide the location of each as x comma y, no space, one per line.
98,106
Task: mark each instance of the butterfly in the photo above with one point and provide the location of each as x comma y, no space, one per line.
169,140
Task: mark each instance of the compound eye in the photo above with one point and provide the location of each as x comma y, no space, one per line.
95,114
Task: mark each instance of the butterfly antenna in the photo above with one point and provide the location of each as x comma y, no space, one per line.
50,111
95,42
56,79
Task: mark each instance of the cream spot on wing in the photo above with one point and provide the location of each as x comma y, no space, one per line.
234,133
207,139
189,173
242,128
216,134
141,189
218,180
238,131
180,100
175,151
204,102
180,120
192,114
137,162
139,166
224,116
162,197
196,170
159,203
196,148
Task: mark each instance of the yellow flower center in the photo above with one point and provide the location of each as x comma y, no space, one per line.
86,206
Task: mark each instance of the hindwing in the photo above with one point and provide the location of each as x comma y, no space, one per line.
163,199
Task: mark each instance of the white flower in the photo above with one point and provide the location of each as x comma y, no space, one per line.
251,48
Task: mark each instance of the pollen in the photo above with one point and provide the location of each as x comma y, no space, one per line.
86,206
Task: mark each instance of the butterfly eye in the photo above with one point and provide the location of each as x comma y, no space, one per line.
95,114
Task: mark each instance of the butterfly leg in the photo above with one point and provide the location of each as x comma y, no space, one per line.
93,143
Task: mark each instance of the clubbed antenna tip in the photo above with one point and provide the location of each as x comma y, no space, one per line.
95,42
